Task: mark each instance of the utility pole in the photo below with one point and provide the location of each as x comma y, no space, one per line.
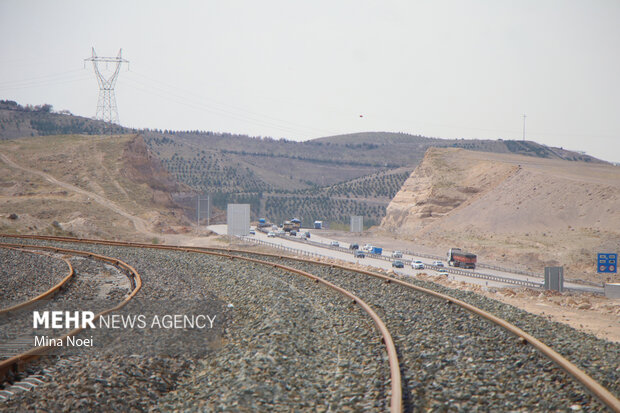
524,127
106,105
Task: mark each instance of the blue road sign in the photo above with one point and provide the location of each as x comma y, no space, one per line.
607,263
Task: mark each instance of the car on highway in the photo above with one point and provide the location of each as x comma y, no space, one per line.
398,264
271,234
354,246
252,232
397,254
417,265
438,263
443,274
293,233
359,254
334,244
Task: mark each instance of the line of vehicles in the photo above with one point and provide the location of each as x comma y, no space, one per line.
455,257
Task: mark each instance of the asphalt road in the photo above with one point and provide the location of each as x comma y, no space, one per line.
325,250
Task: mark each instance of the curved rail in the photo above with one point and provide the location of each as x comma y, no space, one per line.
45,294
600,392
588,382
395,378
15,363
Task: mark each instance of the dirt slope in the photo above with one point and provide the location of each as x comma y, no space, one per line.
104,186
511,208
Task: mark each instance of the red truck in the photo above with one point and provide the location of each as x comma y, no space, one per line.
458,258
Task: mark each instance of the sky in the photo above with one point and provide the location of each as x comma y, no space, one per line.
303,70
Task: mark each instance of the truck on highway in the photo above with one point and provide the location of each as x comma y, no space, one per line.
376,250
458,258
296,224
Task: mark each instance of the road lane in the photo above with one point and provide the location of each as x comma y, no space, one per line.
326,251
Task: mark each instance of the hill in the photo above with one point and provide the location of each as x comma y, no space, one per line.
531,211
325,179
102,186
18,121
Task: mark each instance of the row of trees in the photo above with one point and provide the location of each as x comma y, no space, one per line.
12,105
324,208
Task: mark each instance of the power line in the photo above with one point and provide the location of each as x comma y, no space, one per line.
201,106
223,108
58,78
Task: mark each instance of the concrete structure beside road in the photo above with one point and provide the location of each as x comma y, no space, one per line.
238,219
357,223
612,291
554,278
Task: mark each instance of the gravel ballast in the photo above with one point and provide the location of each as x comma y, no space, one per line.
25,275
446,352
290,345
449,358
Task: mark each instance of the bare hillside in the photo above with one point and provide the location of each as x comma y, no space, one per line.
103,186
528,211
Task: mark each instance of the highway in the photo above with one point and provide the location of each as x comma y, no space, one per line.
325,249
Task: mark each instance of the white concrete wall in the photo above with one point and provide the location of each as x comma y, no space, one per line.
238,219
612,291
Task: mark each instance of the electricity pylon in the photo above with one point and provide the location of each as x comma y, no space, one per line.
106,105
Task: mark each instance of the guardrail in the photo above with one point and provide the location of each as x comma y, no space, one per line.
458,271
417,254
480,265
490,277
282,247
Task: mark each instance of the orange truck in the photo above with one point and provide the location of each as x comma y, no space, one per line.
458,258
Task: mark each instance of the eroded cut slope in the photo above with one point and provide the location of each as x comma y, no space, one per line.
534,212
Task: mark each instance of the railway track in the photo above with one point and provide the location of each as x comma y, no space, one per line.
395,392
415,360
11,367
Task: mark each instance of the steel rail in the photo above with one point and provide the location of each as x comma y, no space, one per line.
45,294
14,364
396,399
595,388
591,385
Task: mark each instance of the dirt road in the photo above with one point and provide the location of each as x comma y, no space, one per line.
140,224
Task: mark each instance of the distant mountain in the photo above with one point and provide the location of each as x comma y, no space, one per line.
325,179
398,145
